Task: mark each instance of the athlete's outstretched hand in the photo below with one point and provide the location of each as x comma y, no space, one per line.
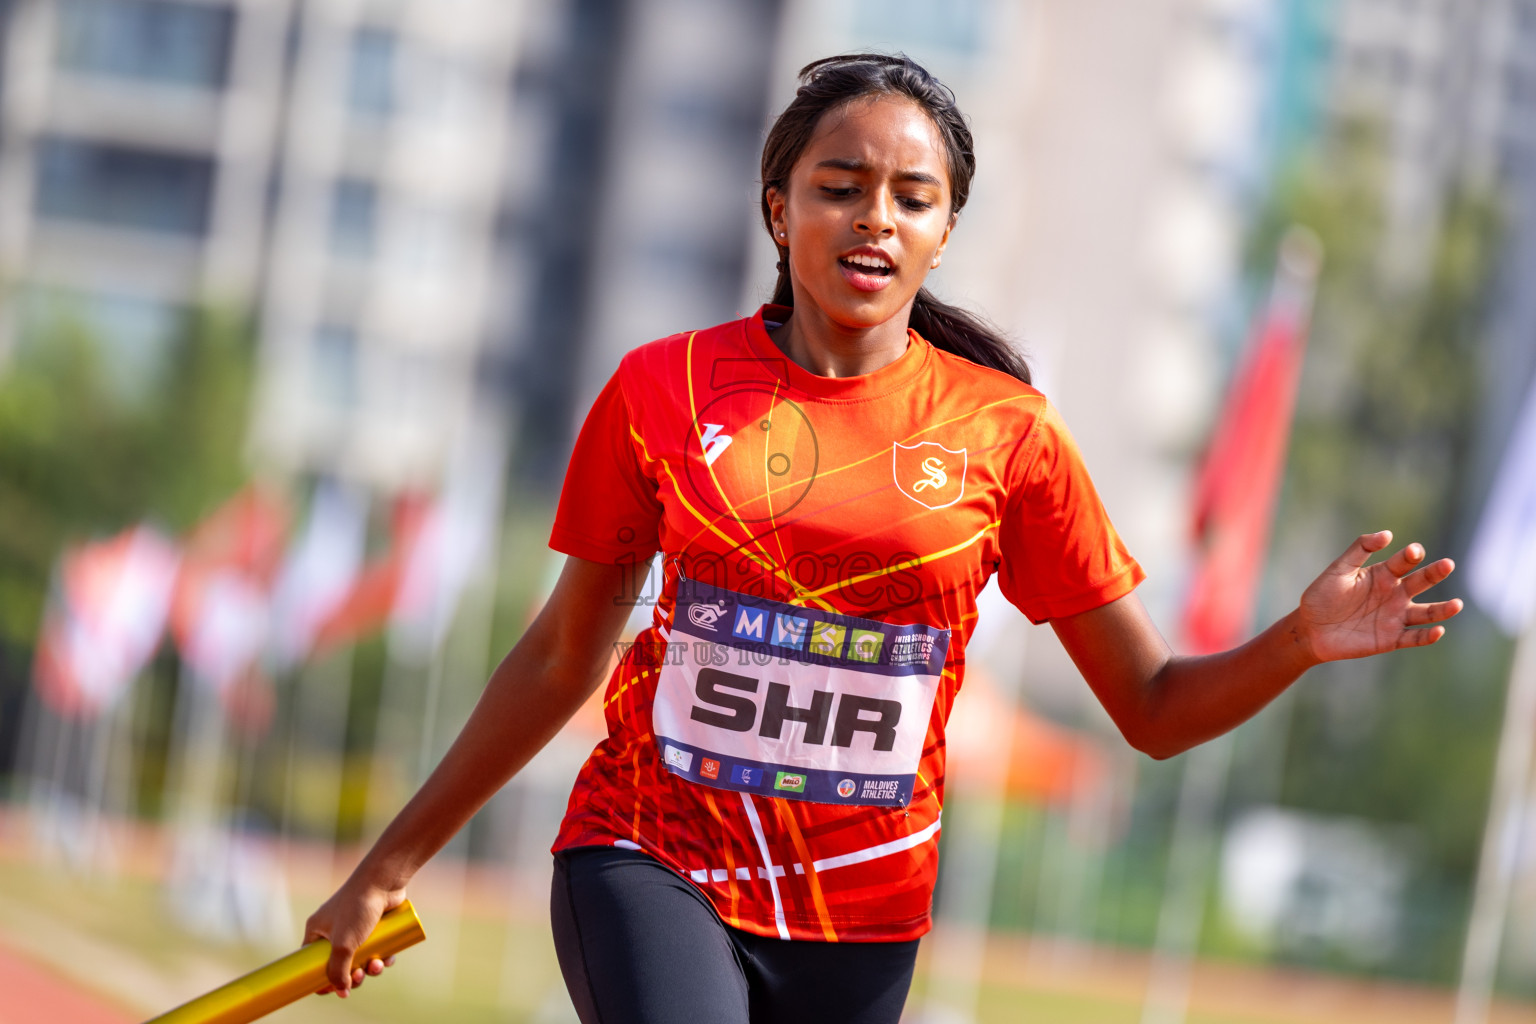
1353,610
347,919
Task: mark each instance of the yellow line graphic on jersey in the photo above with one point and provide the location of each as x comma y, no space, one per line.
909,563
709,525
773,517
693,417
782,811
822,475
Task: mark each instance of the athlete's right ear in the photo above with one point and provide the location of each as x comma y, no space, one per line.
775,197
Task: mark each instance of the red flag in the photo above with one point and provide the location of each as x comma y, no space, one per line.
372,599
106,620
1239,481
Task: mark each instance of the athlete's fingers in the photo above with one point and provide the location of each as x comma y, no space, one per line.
1439,611
1420,637
314,931
376,966
1415,583
1360,552
1404,559
337,968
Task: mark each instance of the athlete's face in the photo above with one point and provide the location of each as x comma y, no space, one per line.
866,211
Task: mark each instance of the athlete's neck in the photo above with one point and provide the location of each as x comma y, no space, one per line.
828,349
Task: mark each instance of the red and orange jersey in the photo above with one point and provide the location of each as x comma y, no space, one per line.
824,542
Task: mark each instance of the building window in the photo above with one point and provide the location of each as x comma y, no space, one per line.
119,186
333,366
354,215
371,86
153,40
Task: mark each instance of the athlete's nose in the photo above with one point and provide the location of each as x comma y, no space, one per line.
878,217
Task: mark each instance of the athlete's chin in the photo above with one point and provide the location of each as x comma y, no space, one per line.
868,314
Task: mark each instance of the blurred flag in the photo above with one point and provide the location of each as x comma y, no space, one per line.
105,621
456,532
1501,563
370,601
318,573
1239,481
219,615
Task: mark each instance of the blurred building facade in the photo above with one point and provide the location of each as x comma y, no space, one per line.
114,128
435,212
1452,87
334,168
649,203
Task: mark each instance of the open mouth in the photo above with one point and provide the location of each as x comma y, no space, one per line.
874,266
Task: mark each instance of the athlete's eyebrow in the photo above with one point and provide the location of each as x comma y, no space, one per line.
849,164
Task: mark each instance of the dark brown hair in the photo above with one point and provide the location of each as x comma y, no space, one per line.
832,82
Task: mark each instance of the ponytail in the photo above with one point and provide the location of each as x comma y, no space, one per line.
828,84
965,334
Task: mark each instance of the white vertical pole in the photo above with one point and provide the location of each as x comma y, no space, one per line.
1189,859
1511,781
320,707
466,652
958,949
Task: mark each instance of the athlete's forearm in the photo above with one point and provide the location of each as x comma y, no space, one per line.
527,700
1163,703
1355,608
1191,699
533,692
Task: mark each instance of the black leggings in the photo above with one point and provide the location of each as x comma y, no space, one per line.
638,943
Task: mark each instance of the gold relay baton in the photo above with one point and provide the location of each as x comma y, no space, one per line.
294,976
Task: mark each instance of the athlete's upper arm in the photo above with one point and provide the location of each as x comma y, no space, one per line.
1060,554
1119,651
609,508
578,625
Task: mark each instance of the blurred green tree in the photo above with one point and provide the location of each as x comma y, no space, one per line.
1383,430
83,455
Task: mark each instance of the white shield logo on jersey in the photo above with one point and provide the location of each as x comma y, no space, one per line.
928,473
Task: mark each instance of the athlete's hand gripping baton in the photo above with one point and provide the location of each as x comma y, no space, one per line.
294,976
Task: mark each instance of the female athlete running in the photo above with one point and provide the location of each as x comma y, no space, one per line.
832,482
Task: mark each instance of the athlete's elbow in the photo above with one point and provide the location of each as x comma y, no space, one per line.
1149,738
1159,751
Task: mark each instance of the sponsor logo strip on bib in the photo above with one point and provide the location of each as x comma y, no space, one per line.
764,697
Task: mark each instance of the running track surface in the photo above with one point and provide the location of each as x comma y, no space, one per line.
35,995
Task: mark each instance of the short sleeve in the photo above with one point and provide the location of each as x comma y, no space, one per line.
1060,553
608,509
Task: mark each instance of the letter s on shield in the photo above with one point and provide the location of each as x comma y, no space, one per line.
928,473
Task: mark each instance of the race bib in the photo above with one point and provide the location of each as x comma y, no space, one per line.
764,697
